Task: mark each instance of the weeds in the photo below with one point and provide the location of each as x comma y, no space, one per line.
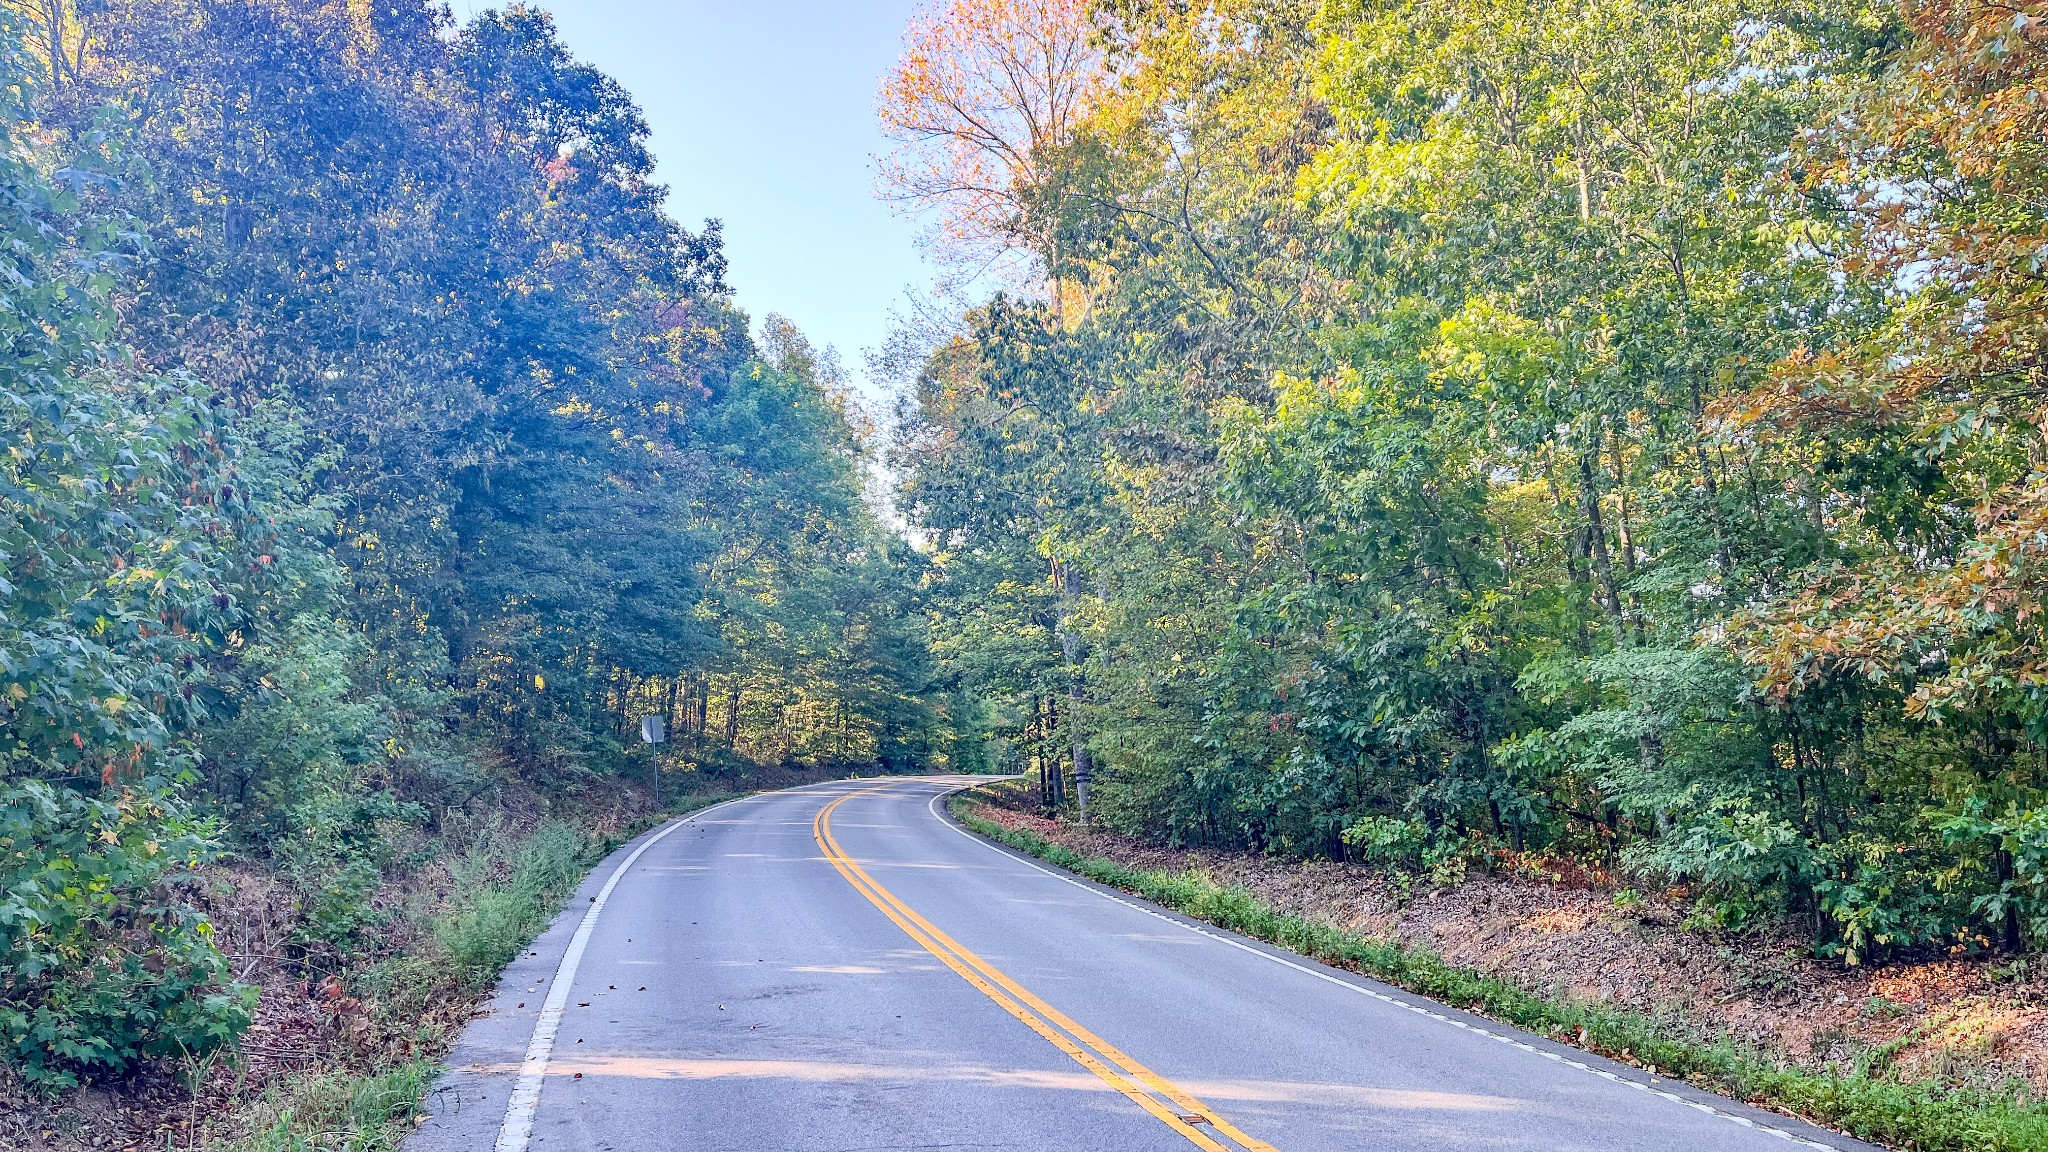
341,1112
488,923
501,891
1925,1115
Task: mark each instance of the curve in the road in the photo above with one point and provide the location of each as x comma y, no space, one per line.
729,987
1146,1088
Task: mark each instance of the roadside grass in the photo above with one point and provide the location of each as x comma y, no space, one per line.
341,1112
1923,1115
502,891
489,923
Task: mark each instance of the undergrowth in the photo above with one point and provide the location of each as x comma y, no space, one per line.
489,923
501,891
342,1112
1922,1115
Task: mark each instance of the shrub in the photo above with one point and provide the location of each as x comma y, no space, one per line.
104,965
1410,846
335,859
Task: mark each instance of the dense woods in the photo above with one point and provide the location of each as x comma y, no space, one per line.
377,449
1447,433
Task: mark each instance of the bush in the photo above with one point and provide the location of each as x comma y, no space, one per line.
335,856
104,964
2020,837
1409,846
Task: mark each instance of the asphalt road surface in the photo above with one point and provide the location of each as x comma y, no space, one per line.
841,967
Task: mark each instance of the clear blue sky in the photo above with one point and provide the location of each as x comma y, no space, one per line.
763,116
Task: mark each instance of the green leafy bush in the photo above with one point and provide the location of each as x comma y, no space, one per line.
103,964
1409,846
130,546
2019,840
1743,862
335,853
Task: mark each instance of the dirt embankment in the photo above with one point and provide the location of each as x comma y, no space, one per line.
1568,933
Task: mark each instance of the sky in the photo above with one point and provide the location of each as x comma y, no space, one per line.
762,116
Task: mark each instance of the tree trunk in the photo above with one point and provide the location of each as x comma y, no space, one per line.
1070,648
1574,553
1596,541
2013,938
1056,777
1711,484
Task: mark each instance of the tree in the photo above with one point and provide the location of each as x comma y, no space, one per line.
138,541
1449,470
985,96
1931,478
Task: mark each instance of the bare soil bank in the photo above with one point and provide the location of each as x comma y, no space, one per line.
1581,935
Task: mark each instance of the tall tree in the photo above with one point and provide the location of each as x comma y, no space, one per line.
984,98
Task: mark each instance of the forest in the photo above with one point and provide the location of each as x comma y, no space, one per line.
378,451
1435,434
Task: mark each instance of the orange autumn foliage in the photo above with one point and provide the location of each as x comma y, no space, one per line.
1946,179
985,92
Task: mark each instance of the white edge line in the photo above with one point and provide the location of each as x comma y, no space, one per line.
517,1128
1697,1105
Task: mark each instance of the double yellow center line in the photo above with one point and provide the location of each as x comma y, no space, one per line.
1168,1102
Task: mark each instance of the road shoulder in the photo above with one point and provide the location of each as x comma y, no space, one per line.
1794,1128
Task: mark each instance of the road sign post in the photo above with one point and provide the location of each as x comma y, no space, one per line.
653,731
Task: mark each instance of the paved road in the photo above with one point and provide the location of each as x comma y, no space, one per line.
839,967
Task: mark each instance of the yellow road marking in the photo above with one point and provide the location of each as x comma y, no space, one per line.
1084,1047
